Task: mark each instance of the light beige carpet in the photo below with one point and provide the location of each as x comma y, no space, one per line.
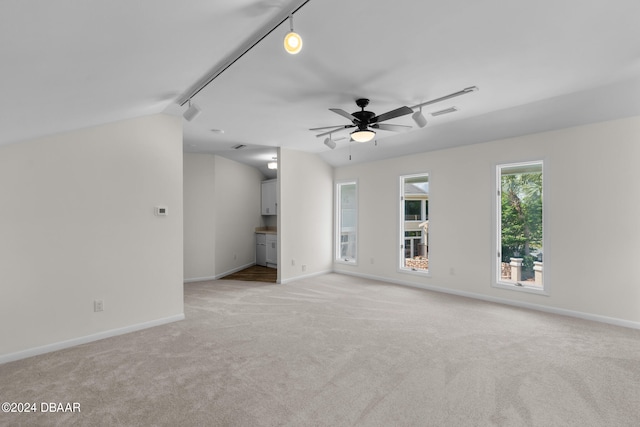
340,351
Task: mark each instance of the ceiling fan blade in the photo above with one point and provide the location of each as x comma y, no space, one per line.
334,130
393,128
402,111
345,114
329,127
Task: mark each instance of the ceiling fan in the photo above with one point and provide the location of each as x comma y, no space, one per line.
366,121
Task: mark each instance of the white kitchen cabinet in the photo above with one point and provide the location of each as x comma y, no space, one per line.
272,250
269,197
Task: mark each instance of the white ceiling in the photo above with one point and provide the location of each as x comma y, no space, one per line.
539,65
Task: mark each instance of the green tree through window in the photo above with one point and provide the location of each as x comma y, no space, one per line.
521,217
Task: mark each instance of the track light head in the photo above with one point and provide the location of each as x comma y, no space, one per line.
330,143
192,112
419,118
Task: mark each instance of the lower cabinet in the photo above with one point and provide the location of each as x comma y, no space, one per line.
267,249
272,250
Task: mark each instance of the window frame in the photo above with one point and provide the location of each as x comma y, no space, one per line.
497,228
338,225
400,264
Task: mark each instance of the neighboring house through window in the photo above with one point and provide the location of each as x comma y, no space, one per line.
414,223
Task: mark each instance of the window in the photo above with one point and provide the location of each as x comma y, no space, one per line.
413,210
346,220
414,223
412,242
520,226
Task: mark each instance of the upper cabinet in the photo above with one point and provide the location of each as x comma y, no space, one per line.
270,197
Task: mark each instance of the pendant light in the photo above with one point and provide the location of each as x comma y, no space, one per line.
292,41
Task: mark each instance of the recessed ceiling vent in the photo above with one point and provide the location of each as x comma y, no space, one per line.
239,147
445,111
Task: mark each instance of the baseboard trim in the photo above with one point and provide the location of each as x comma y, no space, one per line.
538,307
234,270
306,276
218,276
199,279
36,351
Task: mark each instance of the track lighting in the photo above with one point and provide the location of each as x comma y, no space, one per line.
362,135
330,143
192,112
227,62
452,95
292,41
419,118
422,121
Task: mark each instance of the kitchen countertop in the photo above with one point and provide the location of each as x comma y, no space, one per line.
266,230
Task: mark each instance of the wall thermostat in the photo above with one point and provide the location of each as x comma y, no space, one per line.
161,210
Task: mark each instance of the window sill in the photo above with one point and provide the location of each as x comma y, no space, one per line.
345,261
521,287
415,272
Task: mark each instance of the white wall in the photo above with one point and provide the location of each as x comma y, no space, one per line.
237,194
199,216
593,228
222,210
305,220
77,224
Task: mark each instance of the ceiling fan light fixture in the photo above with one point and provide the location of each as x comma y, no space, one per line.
292,41
361,135
419,118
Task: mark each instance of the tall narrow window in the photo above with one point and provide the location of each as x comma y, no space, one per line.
414,223
346,220
520,226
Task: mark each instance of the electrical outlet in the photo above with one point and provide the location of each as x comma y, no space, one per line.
98,305
372,260
293,262
452,271
304,267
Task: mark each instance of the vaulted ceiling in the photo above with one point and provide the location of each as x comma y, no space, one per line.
538,65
